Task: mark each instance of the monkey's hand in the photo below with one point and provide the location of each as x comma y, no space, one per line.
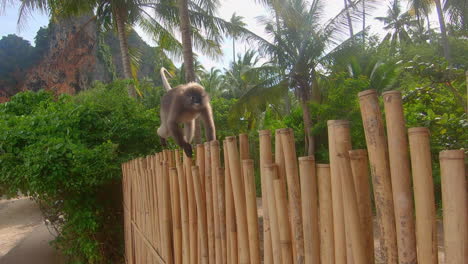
187,149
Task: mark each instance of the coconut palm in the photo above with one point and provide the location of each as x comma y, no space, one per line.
421,9
457,11
236,20
300,40
396,22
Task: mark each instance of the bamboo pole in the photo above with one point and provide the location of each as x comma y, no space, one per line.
222,212
244,151
360,169
209,204
401,177
294,191
239,200
192,207
455,205
380,171
265,158
279,156
251,207
176,216
271,173
283,220
215,164
342,144
310,211
230,212
183,211
167,214
201,209
200,162
327,253
337,200
421,164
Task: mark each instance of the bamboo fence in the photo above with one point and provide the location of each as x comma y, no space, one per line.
205,210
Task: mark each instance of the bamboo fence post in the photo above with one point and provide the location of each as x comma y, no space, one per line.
251,207
192,207
380,171
455,204
230,212
183,210
283,220
421,164
337,200
215,164
294,191
167,213
244,150
200,162
342,145
271,173
239,200
310,211
209,204
327,253
201,215
265,158
222,212
279,157
360,169
160,213
400,176
176,216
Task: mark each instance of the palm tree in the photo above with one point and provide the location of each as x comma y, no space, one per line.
255,85
213,82
236,20
421,9
443,30
396,23
299,42
458,12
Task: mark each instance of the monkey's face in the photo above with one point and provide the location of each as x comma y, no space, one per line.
196,100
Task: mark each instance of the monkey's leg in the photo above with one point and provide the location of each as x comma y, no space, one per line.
208,123
189,131
179,138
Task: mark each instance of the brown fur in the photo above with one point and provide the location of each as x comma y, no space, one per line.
183,104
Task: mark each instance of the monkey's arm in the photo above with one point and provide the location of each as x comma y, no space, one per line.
189,130
179,137
207,117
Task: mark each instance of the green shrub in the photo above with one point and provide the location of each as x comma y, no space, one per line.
66,153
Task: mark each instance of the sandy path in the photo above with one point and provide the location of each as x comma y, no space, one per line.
23,236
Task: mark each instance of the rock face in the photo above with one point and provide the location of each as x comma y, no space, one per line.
71,62
76,55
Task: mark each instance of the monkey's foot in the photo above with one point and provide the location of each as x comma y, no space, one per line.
187,149
163,142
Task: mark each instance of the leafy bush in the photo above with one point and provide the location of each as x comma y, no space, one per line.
66,152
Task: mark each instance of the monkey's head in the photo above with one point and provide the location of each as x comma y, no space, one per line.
195,97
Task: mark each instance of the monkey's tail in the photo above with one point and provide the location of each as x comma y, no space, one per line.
166,84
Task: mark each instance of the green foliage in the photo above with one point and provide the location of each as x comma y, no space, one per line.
67,152
341,103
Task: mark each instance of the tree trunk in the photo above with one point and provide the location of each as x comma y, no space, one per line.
123,41
186,32
363,23
443,30
233,50
350,22
310,144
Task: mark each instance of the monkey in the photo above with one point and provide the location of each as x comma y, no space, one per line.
183,104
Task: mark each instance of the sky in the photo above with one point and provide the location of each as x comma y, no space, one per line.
245,8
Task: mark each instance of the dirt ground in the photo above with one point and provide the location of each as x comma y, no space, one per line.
24,238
